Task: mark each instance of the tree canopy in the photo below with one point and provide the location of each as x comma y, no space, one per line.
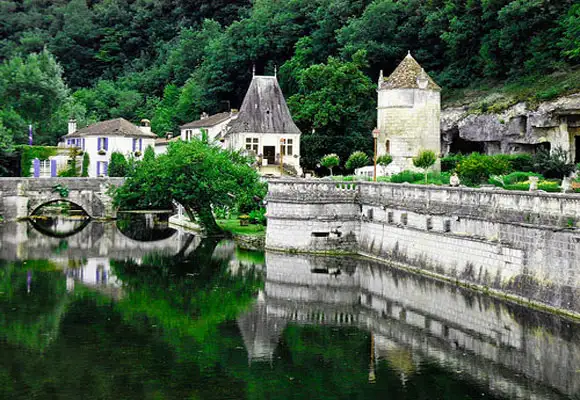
170,60
197,175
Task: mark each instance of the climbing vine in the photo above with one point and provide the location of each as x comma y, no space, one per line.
29,153
61,189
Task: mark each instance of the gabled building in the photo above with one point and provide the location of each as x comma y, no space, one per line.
264,127
213,125
408,114
100,140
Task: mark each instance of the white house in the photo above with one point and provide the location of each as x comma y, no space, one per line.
213,125
265,127
100,140
161,144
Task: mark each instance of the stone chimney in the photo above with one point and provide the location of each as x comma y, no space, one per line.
168,135
72,126
145,126
204,115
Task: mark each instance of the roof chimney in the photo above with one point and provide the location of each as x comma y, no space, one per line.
145,126
204,115
72,126
168,135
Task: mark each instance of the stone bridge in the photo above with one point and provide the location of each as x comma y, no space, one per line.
22,197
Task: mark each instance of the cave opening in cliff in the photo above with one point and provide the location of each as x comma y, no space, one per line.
459,145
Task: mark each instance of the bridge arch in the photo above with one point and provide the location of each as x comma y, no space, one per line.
34,208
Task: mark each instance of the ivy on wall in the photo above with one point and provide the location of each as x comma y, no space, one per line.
29,153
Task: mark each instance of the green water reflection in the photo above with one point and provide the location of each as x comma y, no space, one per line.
187,326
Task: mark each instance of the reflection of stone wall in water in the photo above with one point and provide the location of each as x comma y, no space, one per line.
460,329
513,242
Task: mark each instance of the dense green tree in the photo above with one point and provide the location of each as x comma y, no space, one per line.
118,166
32,87
330,161
197,175
334,108
425,160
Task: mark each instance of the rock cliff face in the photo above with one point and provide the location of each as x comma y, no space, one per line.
517,129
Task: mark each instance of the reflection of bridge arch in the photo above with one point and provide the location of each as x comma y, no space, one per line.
58,235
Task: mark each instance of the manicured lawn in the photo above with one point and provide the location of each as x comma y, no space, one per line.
233,225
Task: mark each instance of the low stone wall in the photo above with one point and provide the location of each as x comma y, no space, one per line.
519,244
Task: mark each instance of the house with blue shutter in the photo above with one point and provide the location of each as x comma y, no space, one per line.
100,140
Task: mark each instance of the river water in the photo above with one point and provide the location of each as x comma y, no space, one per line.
123,311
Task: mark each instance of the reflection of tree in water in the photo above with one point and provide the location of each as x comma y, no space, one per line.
33,300
145,227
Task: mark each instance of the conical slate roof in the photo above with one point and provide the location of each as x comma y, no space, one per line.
405,76
264,109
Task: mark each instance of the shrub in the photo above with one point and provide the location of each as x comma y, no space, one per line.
450,162
358,159
406,176
384,161
424,160
519,176
258,216
477,168
521,162
553,164
330,161
86,163
118,166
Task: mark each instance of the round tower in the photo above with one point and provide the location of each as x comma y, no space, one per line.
409,112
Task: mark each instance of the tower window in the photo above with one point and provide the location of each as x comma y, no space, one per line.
388,146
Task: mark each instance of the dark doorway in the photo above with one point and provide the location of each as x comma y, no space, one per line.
270,154
577,148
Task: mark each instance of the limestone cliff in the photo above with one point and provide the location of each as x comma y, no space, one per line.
518,128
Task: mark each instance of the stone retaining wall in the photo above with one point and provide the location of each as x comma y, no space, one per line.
520,244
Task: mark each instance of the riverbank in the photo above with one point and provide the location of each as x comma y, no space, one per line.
517,245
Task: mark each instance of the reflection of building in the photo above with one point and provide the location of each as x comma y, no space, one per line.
413,319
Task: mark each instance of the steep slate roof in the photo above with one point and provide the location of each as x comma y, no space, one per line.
405,76
210,121
264,109
112,127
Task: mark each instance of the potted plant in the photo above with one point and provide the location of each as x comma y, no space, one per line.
102,152
244,220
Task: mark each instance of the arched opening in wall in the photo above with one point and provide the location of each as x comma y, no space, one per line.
388,146
59,218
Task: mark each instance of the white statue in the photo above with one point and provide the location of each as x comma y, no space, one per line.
533,183
454,180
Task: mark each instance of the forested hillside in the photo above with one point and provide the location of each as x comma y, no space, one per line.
169,60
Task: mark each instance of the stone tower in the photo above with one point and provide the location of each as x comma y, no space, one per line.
409,108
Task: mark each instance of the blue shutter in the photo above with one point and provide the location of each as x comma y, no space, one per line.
36,164
140,144
98,168
105,168
134,144
83,144
106,144
99,143
53,168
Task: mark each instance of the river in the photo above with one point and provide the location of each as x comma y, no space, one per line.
137,310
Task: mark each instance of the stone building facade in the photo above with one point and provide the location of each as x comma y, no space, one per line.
408,114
